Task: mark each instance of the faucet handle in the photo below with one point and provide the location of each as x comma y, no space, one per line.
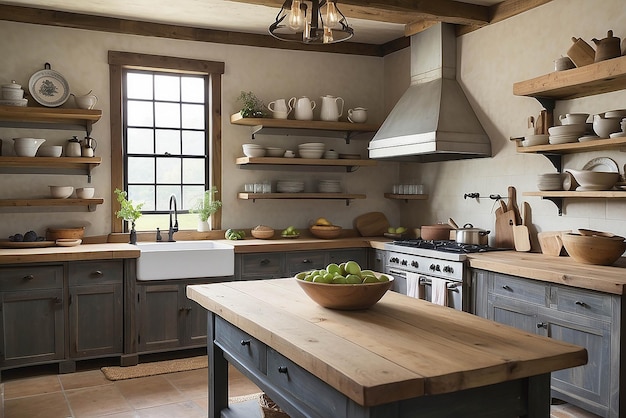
158,235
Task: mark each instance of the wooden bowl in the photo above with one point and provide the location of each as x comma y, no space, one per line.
594,249
325,231
346,296
262,234
54,234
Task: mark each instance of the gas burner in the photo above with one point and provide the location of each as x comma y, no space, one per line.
444,245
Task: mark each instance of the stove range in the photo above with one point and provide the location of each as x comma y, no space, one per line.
441,249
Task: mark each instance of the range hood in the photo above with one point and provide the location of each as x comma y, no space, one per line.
433,120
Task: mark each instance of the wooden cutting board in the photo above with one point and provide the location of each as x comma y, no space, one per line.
505,220
371,224
521,235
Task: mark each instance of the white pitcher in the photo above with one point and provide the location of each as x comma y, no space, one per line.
280,109
303,107
331,109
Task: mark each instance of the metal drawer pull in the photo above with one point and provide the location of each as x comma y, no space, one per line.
97,273
28,277
282,369
580,303
542,325
306,261
245,342
507,287
264,262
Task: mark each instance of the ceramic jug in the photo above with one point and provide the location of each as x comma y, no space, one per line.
89,146
73,148
303,107
331,109
280,109
607,48
88,101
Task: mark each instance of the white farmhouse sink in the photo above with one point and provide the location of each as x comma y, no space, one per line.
184,260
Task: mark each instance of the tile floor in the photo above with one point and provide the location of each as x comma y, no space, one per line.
88,393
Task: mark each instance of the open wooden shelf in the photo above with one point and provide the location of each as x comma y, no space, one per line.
340,162
332,196
89,203
406,197
597,78
50,165
611,194
574,147
48,118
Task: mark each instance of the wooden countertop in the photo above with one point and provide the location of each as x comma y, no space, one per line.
304,243
401,348
105,251
562,270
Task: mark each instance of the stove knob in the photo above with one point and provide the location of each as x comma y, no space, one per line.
404,262
432,267
393,260
437,268
414,264
448,269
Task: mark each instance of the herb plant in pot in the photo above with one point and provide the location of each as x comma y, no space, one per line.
253,107
206,206
128,212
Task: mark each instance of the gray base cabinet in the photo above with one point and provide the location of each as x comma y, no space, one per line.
167,319
274,265
583,317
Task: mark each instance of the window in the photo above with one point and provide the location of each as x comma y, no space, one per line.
169,131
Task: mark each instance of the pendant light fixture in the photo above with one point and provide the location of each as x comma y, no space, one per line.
321,23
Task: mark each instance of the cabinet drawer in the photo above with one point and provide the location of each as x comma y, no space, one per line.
248,350
581,301
268,264
35,277
95,272
302,386
527,290
305,260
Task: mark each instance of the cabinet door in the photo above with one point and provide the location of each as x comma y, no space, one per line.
259,266
32,328
591,382
196,331
95,320
377,260
515,313
161,317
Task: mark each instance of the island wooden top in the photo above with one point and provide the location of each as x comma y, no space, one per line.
104,251
401,348
562,270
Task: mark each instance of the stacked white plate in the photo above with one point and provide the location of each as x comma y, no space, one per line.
550,181
311,150
288,186
253,150
567,133
329,186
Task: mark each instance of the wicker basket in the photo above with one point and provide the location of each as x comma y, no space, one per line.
269,409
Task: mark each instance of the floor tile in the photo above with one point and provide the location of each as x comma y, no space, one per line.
97,401
82,380
150,391
192,384
239,385
49,405
177,410
31,386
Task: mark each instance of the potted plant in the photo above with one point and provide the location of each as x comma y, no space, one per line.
206,206
129,212
252,106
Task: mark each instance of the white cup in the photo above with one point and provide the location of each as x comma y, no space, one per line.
357,115
289,154
279,114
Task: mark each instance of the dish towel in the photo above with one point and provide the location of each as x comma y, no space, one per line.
413,287
440,291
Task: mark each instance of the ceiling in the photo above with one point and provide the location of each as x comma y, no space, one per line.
374,22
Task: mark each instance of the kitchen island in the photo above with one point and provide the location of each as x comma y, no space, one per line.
401,356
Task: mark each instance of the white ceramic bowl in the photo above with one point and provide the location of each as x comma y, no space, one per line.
85,192
50,151
61,192
621,113
316,145
532,140
574,118
27,147
605,127
572,129
594,180
311,153
252,146
254,152
275,152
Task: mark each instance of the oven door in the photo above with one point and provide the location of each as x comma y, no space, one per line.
421,286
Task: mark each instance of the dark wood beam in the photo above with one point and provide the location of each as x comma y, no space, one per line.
504,10
134,27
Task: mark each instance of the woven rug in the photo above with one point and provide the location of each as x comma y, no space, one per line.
154,368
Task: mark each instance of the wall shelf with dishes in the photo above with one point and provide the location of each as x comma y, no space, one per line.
50,165
91,204
301,195
341,130
597,78
406,197
349,165
49,118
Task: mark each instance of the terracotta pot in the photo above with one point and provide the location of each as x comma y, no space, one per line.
436,232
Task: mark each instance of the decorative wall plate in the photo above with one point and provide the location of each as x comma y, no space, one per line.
602,164
48,87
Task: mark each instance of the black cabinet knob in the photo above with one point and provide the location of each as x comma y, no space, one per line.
282,369
542,325
245,342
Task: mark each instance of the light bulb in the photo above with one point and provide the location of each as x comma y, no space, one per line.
295,21
332,15
328,35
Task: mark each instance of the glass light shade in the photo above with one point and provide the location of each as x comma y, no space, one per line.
295,21
332,16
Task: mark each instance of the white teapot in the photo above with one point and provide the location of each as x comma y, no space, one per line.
303,107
